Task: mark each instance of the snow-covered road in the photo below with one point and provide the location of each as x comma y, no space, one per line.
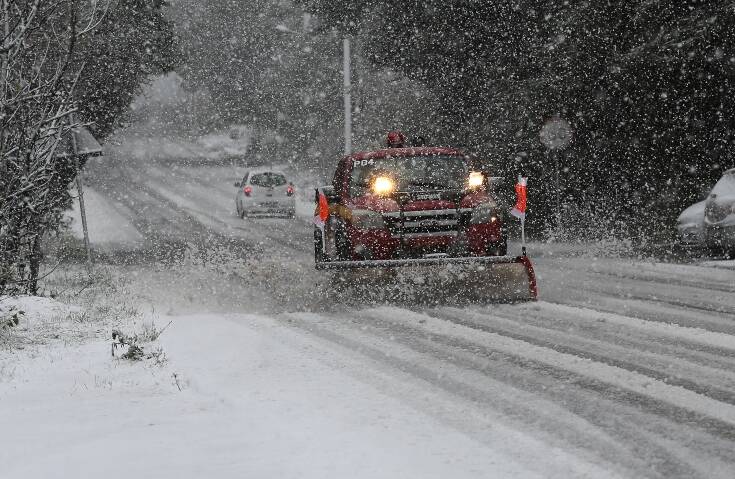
624,368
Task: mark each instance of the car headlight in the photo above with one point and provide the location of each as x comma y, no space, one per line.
485,213
367,220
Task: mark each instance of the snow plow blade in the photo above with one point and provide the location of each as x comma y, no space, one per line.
509,278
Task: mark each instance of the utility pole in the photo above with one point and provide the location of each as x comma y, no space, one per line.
347,91
557,189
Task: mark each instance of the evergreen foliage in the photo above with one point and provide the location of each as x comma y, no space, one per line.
645,84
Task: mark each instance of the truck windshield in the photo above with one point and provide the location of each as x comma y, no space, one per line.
415,173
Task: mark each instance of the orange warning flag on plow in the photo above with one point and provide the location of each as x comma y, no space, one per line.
519,210
323,210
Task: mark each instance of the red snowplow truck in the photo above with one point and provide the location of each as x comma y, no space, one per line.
426,212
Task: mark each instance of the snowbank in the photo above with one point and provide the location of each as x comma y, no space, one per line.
30,321
35,308
724,264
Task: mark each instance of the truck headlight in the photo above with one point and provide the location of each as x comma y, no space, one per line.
383,186
485,213
367,220
475,180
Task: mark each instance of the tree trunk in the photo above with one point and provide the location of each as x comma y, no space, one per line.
35,264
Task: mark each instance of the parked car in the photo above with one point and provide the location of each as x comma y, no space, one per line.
719,215
690,226
266,192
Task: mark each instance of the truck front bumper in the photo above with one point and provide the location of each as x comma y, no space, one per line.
379,244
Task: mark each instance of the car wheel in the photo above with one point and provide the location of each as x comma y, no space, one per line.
715,249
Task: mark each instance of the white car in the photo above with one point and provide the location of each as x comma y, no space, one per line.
265,192
719,215
690,225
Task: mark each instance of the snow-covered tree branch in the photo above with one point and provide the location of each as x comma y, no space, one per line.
37,80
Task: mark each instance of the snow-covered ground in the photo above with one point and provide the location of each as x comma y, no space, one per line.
624,368
244,397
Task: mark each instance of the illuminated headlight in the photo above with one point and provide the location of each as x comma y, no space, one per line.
485,213
383,186
475,180
367,220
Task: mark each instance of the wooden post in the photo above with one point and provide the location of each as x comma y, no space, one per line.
80,192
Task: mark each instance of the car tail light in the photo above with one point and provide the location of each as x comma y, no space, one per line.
247,190
289,190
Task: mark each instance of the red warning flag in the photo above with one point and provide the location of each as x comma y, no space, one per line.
322,213
519,210
323,207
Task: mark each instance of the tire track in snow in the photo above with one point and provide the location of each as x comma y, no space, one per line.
674,274
465,380
618,377
687,297
670,369
698,342
599,329
206,201
655,311
545,403
160,221
631,415
723,342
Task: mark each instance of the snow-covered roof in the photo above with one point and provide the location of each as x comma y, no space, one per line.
82,143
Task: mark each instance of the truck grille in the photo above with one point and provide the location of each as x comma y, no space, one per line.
427,222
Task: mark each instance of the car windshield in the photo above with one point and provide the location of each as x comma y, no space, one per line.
415,173
268,179
725,186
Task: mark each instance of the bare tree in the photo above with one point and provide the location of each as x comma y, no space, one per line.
37,80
